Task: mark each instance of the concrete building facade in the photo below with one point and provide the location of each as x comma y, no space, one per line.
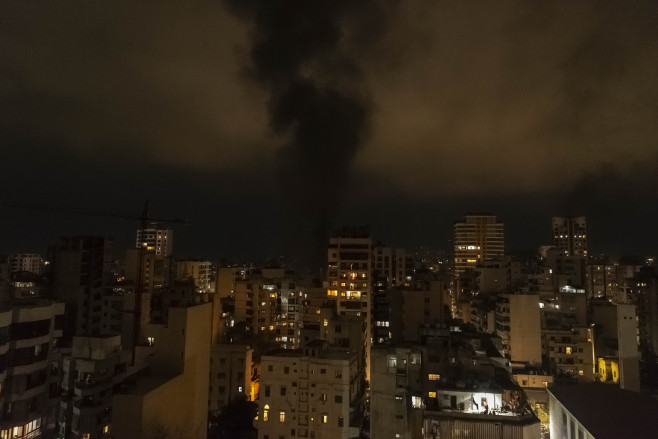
309,393
30,368
570,235
477,237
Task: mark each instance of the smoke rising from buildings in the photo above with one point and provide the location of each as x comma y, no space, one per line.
303,55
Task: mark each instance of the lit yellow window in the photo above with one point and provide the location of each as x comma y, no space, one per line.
433,377
266,413
431,394
282,416
324,419
568,350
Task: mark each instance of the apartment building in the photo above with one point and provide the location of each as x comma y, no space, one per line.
570,235
94,367
569,351
310,392
82,269
446,387
201,272
477,237
30,372
172,396
349,277
230,375
518,323
30,262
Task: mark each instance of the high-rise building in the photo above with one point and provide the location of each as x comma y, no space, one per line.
570,235
200,271
94,367
518,324
477,237
30,330
392,265
156,238
82,269
150,262
30,262
349,276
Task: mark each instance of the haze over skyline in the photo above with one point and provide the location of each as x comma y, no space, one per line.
526,110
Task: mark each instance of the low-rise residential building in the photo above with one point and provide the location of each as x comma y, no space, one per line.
311,392
569,351
230,375
452,385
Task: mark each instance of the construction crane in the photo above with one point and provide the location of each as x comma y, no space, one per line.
144,221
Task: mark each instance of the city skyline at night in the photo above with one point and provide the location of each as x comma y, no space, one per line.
514,107
345,219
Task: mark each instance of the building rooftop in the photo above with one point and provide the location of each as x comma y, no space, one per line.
608,412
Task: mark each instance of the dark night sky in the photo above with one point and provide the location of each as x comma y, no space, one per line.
266,126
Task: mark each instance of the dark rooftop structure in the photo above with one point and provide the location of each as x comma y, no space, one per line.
608,412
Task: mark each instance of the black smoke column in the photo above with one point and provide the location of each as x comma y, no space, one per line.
303,55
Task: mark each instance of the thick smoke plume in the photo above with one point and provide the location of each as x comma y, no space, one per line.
304,54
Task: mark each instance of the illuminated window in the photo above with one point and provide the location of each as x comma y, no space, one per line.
282,416
266,413
568,350
415,402
324,419
433,376
106,429
431,394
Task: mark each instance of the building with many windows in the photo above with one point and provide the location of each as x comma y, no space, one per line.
310,392
454,384
570,235
29,262
156,238
30,330
349,277
94,367
230,375
477,237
